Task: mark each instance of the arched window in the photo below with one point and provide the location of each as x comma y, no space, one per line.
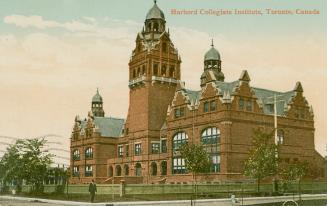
110,171
76,155
138,170
126,170
164,168
118,170
210,135
280,136
155,69
179,139
89,153
153,169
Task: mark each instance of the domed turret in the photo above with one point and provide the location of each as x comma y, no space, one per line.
155,20
97,105
212,54
155,13
212,66
97,97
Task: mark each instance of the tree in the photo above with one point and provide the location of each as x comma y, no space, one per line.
196,160
26,160
294,171
263,161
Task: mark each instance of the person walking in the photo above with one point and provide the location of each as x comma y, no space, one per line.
92,190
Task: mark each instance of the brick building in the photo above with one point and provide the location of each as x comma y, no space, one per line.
163,114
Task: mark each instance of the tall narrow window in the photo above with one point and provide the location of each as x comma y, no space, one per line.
127,150
280,137
126,170
137,149
163,70
164,47
120,150
138,170
210,138
163,145
206,107
76,155
153,169
75,171
172,71
241,104
89,153
213,105
164,168
118,170
249,105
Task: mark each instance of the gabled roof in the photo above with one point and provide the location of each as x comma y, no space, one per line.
266,97
227,86
107,126
193,95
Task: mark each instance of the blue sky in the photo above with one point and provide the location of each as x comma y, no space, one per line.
54,54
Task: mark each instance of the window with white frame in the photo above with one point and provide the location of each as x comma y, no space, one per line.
76,155
137,149
89,153
75,171
88,171
120,150
210,135
155,147
179,165
179,139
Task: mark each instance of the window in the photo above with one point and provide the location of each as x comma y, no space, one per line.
110,171
155,69
138,170
153,169
210,135
206,107
155,148
138,149
280,137
164,168
163,146
127,150
126,170
215,163
241,104
118,170
179,139
172,71
179,165
88,171
76,155
134,73
89,153
163,70
75,171
213,105
270,108
120,150
143,70
249,105
179,112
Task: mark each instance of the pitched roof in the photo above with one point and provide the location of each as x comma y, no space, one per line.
107,126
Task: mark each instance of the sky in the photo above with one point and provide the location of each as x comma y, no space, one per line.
54,54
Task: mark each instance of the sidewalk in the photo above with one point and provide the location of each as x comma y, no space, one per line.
205,202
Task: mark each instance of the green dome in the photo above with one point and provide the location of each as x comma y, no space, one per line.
97,97
155,13
212,54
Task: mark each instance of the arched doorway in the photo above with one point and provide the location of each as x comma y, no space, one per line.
118,170
138,170
153,169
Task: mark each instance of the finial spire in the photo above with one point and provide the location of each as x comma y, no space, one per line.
97,90
155,1
212,42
